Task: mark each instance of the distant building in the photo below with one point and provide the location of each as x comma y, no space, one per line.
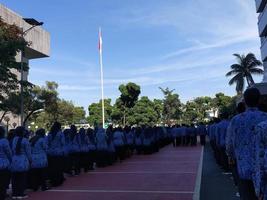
261,7
39,45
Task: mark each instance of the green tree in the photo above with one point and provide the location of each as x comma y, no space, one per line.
197,110
11,44
220,101
117,112
246,66
95,112
10,104
143,113
171,106
49,95
158,107
190,112
129,96
32,101
78,114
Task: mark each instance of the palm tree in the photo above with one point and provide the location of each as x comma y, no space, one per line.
246,66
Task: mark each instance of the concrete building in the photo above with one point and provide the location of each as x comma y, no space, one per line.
261,7
39,44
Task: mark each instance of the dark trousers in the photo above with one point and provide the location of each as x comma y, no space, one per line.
177,141
247,191
193,140
19,183
120,151
76,162
203,140
235,174
91,159
139,149
224,159
38,178
111,158
184,140
4,181
84,158
55,169
188,140
101,158
67,165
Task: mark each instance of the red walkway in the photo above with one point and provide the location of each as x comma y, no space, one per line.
167,175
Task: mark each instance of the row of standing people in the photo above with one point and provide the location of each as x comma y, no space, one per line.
33,162
240,146
184,135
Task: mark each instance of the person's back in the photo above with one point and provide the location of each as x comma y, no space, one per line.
56,144
130,137
243,128
5,160
240,142
118,138
261,164
101,139
222,129
5,154
76,143
21,157
84,142
39,157
138,139
91,140
147,137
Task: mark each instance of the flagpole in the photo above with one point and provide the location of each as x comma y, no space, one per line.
102,77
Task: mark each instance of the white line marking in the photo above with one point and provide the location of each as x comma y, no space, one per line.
196,195
142,172
163,162
124,191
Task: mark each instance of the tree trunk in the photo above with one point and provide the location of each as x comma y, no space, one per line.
124,115
27,117
3,115
249,81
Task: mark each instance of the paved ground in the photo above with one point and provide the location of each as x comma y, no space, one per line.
167,175
215,184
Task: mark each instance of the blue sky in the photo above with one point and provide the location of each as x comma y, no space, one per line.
185,45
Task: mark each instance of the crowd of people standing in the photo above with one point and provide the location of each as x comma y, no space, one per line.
240,146
44,160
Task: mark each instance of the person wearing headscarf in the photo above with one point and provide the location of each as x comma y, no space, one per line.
130,139
20,164
202,132
119,142
67,149
138,140
91,148
111,146
56,150
5,160
101,146
75,153
39,161
10,136
84,148
148,140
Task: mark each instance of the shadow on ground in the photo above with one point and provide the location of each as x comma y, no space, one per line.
215,184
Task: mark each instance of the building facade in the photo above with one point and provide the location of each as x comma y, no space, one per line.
261,8
39,47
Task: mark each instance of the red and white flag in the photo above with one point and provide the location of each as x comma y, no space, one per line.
100,41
